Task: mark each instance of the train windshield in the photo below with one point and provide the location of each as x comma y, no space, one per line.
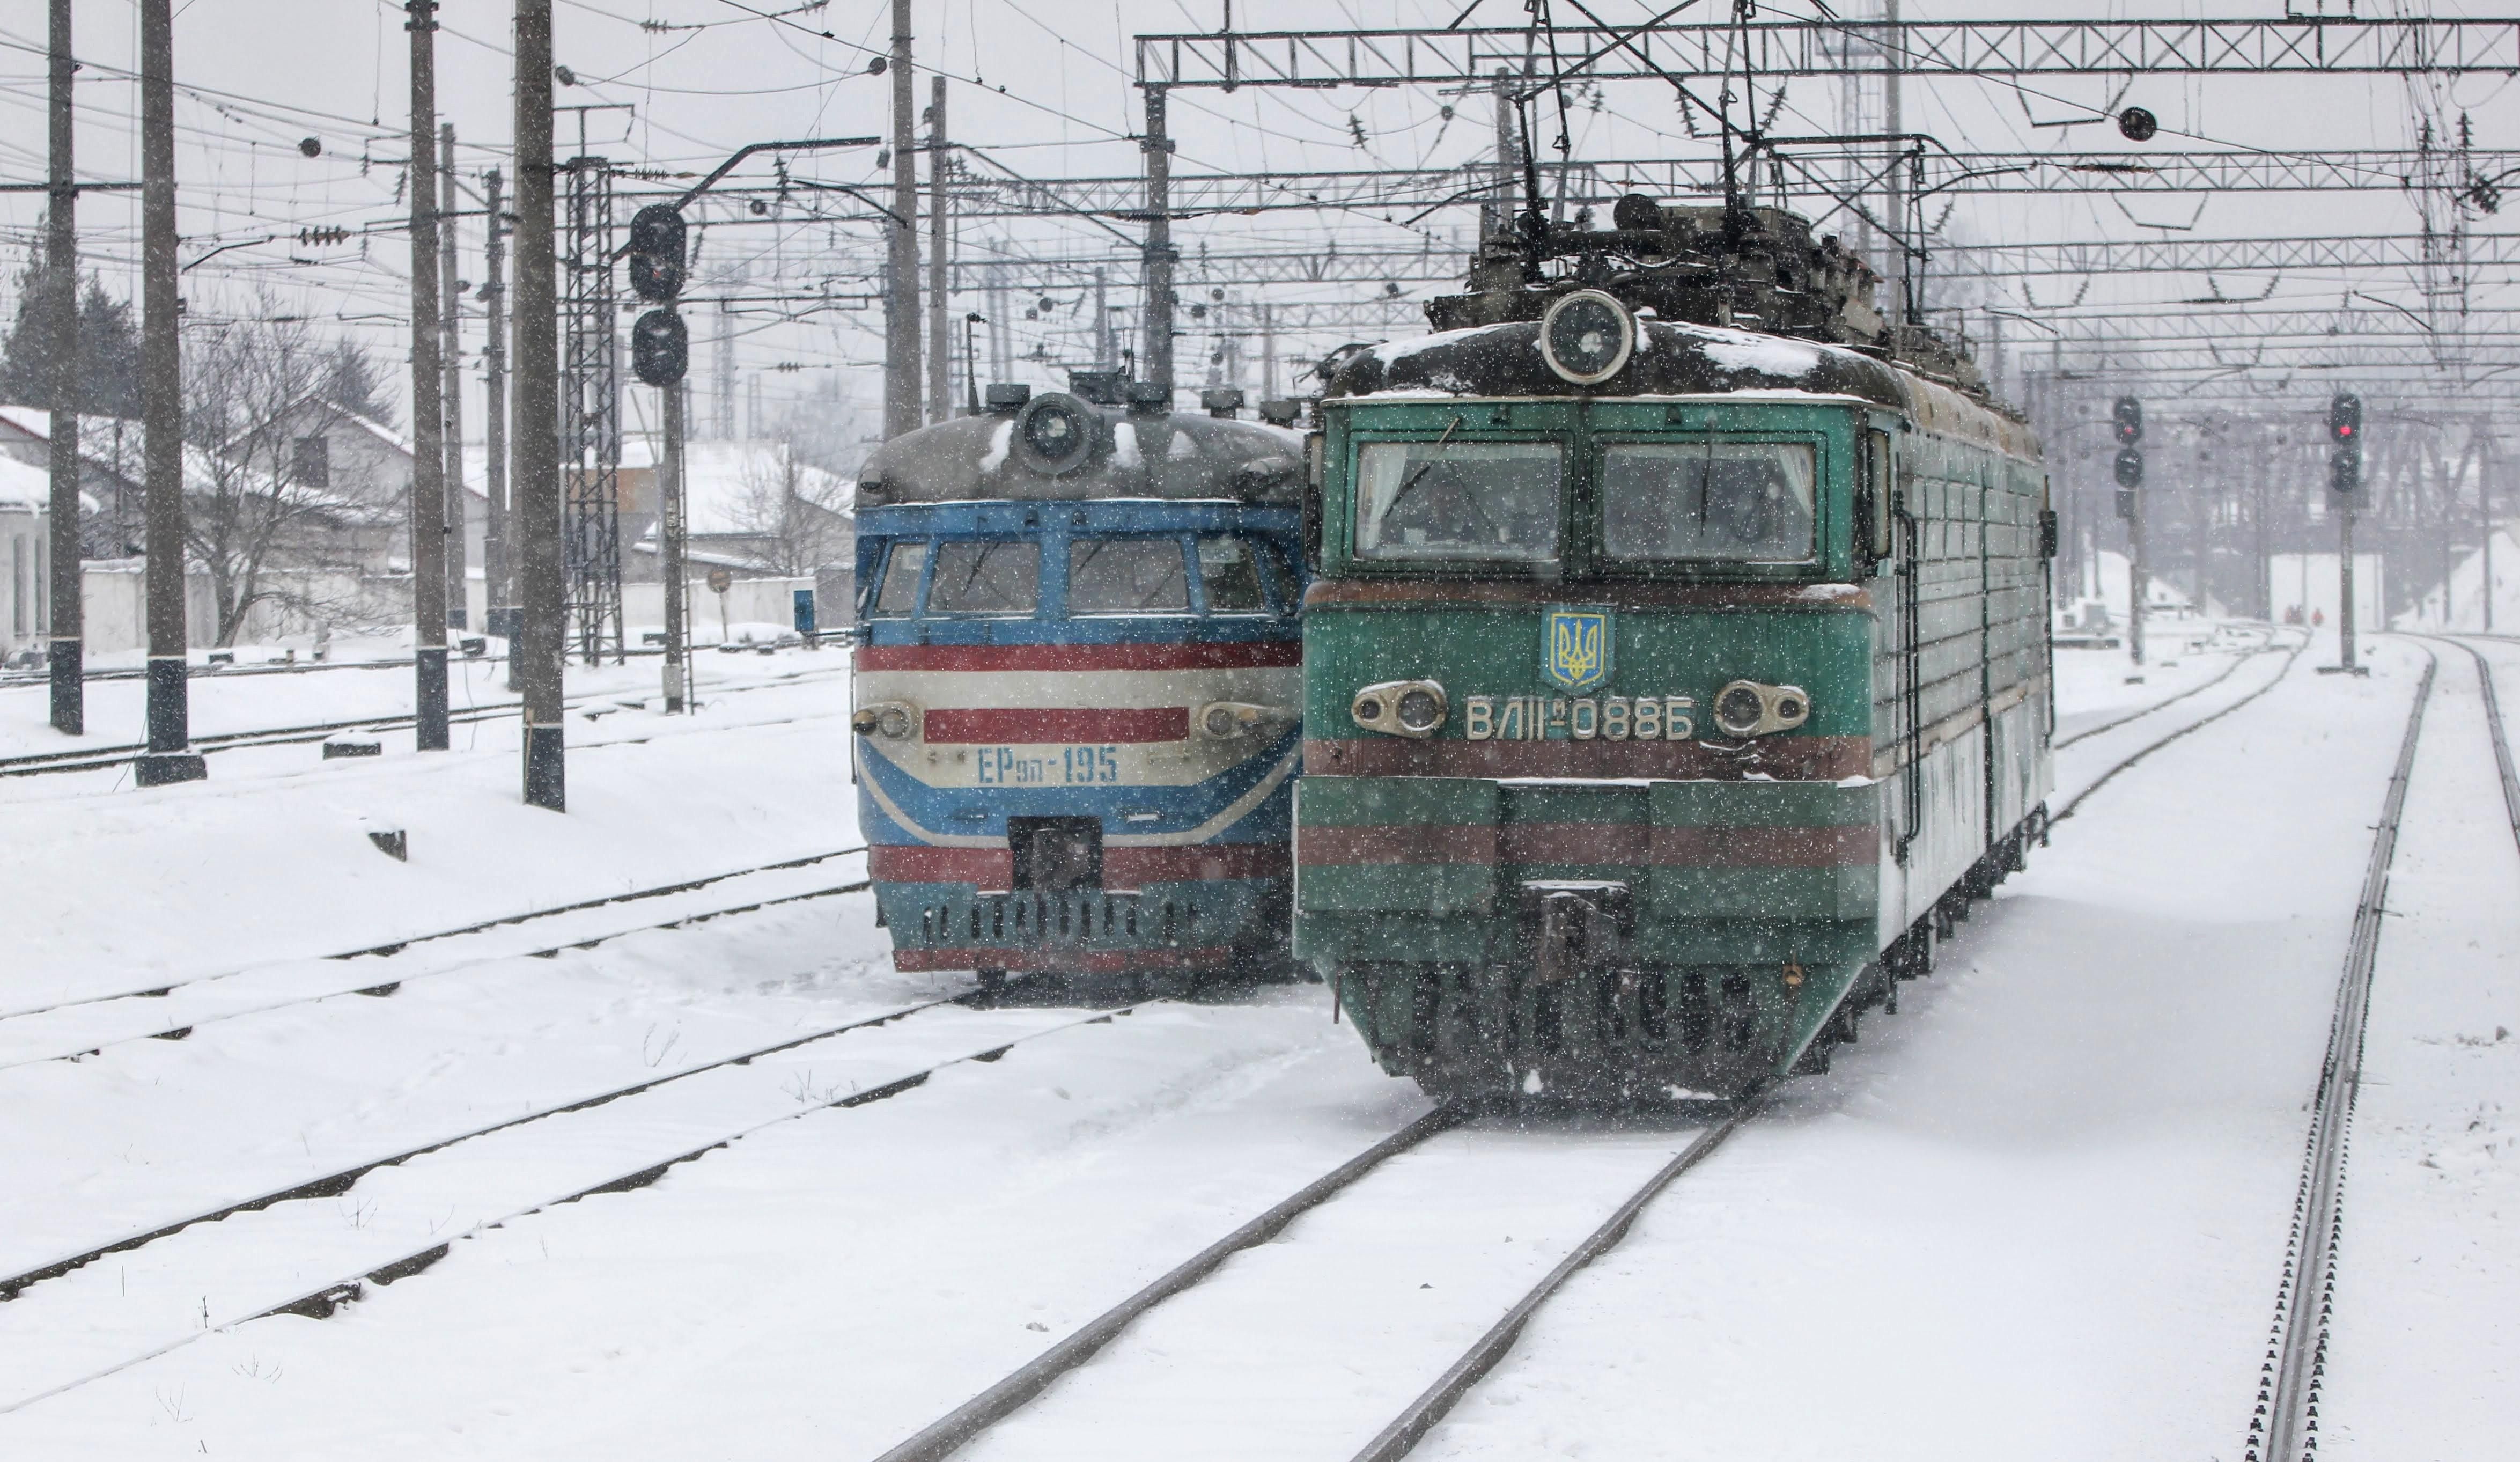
1230,568
986,576
1708,501
899,593
1449,499
1125,576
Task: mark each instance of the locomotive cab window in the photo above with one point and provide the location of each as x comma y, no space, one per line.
897,593
1740,502
1230,568
1125,576
986,577
1453,500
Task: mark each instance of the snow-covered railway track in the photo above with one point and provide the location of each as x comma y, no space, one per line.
68,1323
2270,647
2124,763
107,757
582,940
2283,1427
2495,726
1376,1306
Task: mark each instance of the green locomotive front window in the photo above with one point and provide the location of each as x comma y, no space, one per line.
1443,500
975,576
1708,501
1125,576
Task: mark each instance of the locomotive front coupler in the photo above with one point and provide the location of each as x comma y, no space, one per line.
1571,925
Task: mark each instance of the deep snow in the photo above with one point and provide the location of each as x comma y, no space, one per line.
2039,1214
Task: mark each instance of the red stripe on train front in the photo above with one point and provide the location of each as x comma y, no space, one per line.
1186,656
1045,726
1122,867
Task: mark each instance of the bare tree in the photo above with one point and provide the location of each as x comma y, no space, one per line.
258,505
792,516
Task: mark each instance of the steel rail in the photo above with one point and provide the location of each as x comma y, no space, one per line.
397,946
106,758
2190,729
949,1433
2495,728
322,1300
340,1180
172,1031
2284,1427
1437,1401
2228,671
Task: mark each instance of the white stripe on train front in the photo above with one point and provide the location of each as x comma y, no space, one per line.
1232,812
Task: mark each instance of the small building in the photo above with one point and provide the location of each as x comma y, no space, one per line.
755,508
25,558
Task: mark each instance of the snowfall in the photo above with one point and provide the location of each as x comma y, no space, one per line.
2040,1213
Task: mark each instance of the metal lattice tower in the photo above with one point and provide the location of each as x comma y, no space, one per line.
590,428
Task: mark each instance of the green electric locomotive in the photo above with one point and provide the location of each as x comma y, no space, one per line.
1675,668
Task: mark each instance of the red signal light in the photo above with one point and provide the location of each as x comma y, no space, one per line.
2343,430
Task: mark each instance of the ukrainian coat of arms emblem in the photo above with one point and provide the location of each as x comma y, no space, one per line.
1575,649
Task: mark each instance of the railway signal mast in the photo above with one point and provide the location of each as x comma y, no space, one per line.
2345,479
2127,415
660,355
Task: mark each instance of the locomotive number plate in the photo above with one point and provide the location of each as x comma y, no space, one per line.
1032,766
1585,719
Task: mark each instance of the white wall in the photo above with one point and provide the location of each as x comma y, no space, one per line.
748,601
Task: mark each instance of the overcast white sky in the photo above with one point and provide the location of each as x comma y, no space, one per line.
1043,89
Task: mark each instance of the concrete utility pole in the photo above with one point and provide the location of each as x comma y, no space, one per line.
669,538
940,236
901,373
541,586
68,621
458,509
1159,254
1892,55
2134,580
1103,358
427,404
499,593
171,756
2484,522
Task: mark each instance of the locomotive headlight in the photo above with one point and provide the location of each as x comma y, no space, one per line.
1056,432
893,720
1746,708
1219,722
1401,708
1587,336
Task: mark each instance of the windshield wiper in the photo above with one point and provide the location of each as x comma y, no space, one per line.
1428,466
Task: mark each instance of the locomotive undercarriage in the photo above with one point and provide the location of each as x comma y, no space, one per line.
1565,1019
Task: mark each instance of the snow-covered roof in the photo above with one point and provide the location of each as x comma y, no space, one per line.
27,489
728,484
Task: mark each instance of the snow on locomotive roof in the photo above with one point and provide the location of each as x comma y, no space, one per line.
1671,359
1158,456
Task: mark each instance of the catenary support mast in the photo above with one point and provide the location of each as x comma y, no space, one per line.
171,756
540,588
68,619
427,387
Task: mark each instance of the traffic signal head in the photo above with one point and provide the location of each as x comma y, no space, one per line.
2345,418
2130,468
661,347
2128,414
656,252
2345,470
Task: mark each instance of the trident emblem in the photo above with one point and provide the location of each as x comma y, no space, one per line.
1575,652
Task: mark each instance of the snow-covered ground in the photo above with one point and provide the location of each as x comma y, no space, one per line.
2040,1213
